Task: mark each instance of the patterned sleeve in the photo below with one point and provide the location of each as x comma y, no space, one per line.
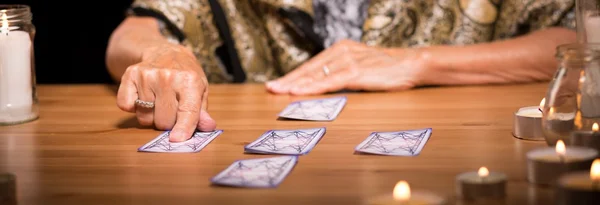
519,17
189,23
170,13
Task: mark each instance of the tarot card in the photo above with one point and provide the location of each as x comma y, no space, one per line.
400,143
286,142
198,141
326,109
256,173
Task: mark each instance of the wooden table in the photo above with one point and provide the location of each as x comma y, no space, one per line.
83,149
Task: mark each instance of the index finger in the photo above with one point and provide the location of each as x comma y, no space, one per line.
188,115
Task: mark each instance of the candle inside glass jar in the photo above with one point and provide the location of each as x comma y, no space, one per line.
16,92
586,138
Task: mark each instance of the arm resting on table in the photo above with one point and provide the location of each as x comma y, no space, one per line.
523,59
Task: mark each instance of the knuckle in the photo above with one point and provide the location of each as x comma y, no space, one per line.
148,73
192,108
123,106
165,75
189,76
129,72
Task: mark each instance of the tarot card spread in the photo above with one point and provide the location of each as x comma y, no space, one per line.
287,142
198,141
256,173
400,143
316,110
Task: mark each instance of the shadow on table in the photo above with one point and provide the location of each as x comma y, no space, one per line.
131,122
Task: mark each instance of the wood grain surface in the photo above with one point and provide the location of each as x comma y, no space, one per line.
83,149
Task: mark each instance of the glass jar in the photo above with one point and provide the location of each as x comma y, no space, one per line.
18,97
571,97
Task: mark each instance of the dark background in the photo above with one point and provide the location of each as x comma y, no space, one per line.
71,38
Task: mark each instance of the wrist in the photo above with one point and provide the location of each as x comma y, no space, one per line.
152,49
421,62
426,65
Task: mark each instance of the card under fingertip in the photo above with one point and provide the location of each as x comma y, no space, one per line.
256,173
196,143
286,142
326,109
398,143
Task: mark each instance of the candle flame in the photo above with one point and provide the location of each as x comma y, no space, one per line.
595,171
551,111
595,127
402,191
4,27
560,148
483,172
542,103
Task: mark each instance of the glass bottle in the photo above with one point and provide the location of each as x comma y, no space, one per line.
18,97
572,93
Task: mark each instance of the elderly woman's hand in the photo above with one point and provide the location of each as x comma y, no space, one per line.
170,77
353,66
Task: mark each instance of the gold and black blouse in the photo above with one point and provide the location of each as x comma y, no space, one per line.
258,40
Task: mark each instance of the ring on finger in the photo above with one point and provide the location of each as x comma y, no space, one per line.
326,70
144,104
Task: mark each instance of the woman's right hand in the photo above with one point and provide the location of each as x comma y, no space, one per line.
170,77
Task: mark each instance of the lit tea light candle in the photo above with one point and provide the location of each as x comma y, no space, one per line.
580,187
589,139
402,195
545,165
481,185
16,95
528,122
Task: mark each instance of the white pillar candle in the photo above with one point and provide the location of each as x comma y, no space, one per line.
592,28
16,98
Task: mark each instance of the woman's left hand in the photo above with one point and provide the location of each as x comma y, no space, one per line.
353,66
